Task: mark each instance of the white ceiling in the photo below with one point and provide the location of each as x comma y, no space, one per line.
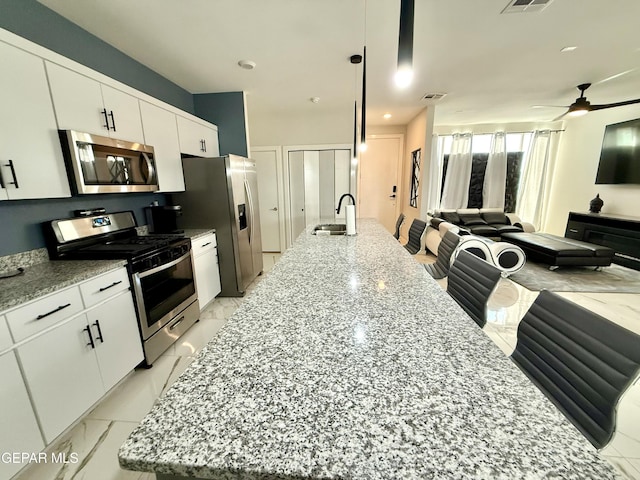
493,67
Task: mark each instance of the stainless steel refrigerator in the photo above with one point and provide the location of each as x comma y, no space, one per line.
222,193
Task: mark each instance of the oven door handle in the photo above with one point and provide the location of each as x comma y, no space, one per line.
164,266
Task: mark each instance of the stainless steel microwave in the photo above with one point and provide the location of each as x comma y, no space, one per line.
105,165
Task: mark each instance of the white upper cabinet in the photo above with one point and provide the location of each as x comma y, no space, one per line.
161,132
86,105
197,139
31,162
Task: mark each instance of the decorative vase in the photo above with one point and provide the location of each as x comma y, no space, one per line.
596,204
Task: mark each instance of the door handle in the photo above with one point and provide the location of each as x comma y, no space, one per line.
113,121
55,310
177,323
106,118
274,209
88,330
97,325
102,289
392,196
13,173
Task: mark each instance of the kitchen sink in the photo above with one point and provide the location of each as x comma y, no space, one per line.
330,229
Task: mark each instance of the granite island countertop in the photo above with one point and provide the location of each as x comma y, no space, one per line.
47,277
349,361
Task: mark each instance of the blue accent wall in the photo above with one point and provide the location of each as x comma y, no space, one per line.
226,110
43,26
20,220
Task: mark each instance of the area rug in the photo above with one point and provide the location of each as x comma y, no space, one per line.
613,279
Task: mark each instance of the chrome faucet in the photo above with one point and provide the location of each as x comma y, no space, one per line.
353,200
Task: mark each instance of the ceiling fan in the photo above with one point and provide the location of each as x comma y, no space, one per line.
582,106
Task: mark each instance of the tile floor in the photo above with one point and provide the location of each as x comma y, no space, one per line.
97,437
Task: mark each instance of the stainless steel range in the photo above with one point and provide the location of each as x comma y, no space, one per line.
160,266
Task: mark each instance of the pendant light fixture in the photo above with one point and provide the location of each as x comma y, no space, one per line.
404,73
355,60
363,117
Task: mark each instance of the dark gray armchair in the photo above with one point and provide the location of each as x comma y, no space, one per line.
580,360
470,282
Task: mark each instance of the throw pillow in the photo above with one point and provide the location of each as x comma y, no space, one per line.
469,219
451,217
496,218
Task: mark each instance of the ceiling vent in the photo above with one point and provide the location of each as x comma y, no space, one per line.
433,96
526,6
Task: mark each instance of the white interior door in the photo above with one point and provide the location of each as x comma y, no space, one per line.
311,187
326,182
378,175
268,196
296,193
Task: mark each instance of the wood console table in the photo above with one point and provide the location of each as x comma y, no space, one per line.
619,232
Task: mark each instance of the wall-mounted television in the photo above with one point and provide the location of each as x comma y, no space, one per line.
620,154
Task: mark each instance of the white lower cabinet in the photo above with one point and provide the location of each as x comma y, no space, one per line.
116,338
77,353
61,370
207,272
16,414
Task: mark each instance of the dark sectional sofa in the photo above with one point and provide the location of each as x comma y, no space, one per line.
483,223
486,222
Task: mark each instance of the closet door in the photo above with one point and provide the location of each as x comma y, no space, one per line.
296,193
311,187
327,192
342,177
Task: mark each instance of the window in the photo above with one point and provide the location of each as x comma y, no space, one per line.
517,144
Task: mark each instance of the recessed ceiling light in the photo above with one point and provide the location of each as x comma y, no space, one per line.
314,99
568,49
247,64
387,116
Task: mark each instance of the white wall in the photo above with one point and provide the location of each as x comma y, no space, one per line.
304,127
573,184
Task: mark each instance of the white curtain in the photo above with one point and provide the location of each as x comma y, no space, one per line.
532,192
495,177
456,183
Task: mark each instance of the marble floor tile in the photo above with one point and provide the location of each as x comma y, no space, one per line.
625,467
269,260
194,339
91,448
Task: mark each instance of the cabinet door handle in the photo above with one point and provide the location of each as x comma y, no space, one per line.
55,310
204,144
106,118
13,174
102,289
208,243
177,323
88,330
2,185
97,325
573,230
113,121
